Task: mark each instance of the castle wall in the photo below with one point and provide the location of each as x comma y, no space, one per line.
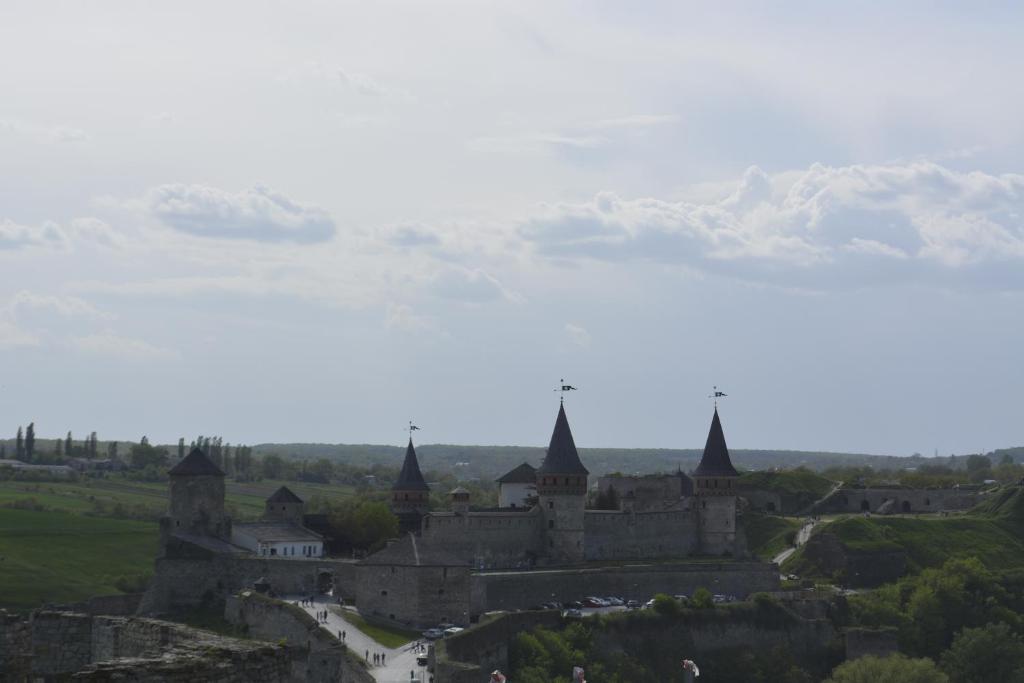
652,491
904,500
563,527
487,539
414,596
764,501
637,535
184,583
520,590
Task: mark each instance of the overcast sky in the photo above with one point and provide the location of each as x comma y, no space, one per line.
315,221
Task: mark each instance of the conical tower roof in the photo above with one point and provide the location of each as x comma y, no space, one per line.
715,462
562,457
410,478
195,464
284,495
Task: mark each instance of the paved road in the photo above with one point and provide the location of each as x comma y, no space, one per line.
399,662
801,538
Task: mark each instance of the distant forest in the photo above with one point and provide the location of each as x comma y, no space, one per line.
489,462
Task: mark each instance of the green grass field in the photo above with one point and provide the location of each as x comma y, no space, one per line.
64,557
769,535
81,541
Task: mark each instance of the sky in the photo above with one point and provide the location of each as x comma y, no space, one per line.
317,221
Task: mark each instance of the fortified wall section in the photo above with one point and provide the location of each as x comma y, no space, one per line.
520,590
613,534
318,657
903,500
415,596
182,583
495,539
99,648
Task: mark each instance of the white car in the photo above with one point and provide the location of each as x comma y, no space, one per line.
453,630
433,633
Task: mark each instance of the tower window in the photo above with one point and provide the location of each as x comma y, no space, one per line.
551,524
551,505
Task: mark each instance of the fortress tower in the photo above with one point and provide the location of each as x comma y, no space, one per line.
410,495
285,506
715,489
562,494
197,498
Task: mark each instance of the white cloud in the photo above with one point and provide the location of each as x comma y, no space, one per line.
123,348
257,214
13,336
96,231
403,318
16,236
825,225
577,334
62,306
636,121
470,286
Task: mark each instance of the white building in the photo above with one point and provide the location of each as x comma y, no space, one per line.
277,539
517,488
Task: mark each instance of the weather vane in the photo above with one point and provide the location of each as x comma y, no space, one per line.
563,387
716,394
412,428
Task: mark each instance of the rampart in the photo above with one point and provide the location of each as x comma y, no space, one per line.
202,581
520,590
902,500
81,647
494,539
317,656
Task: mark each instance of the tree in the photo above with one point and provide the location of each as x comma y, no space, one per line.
272,466
181,448
112,450
58,449
67,445
665,605
143,455
979,468
19,446
30,441
981,655
895,668
702,599
91,445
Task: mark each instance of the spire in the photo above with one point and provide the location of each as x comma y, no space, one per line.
410,478
715,462
562,457
195,464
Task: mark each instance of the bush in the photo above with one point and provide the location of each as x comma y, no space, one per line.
892,669
702,599
666,605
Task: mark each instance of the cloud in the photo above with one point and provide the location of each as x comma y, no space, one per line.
403,318
123,348
411,236
361,83
821,227
13,336
636,121
62,306
15,236
577,335
257,214
96,231
470,286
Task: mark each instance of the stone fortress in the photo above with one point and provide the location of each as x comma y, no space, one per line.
541,544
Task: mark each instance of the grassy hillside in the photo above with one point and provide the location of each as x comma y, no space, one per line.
993,532
798,488
64,557
118,497
768,535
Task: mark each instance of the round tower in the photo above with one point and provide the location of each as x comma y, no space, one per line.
197,498
714,486
410,495
562,495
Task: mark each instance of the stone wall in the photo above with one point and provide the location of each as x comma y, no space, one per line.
636,535
321,657
184,583
649,492
471,655
413,596
903,500
520,590
717,524
74,646
764,501
488,539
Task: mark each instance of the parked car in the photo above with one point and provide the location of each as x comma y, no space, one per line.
574,604
615,602
433,633
632,604
591,601
453,630
649,604
421,660
572,614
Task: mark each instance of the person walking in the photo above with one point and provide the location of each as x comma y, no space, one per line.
690,671
366,657
383,656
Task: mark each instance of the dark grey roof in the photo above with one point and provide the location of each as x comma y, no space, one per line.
410,552
195,464
715,462
410,478
562,457
524,474
280,532
284,495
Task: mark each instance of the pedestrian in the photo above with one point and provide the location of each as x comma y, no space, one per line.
366,657
690,671
497,677
383,656
343,635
